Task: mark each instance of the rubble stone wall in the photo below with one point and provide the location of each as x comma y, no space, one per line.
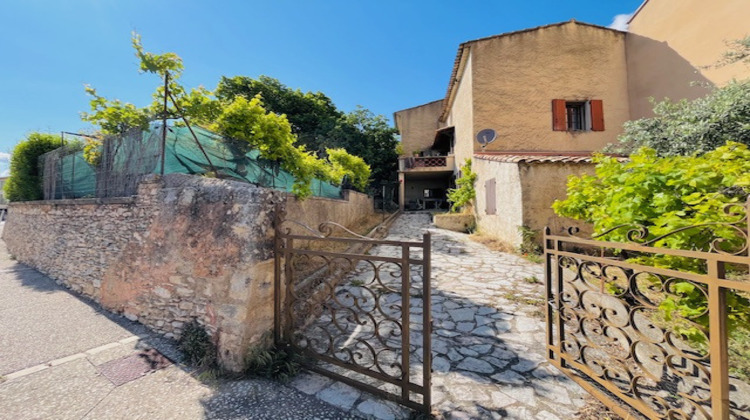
185,248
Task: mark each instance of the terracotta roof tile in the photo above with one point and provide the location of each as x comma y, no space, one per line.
537,158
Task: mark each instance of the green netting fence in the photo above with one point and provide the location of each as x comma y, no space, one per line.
126,160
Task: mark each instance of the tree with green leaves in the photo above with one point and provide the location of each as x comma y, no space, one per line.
25,181
347,165
312,115
319,125
240,118
369,136
697,126
664,195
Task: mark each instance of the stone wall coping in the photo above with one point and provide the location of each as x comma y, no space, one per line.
76,201
131,200
335,200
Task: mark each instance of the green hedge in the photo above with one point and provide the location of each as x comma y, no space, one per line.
25,182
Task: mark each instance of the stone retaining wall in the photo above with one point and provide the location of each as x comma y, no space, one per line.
184,248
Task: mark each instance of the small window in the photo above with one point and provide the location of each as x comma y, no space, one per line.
577,115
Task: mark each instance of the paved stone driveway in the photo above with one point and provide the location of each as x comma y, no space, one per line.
488,341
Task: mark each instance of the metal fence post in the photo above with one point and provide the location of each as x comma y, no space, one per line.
427,320
164,122
718,338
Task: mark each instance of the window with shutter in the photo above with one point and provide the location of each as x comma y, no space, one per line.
577,115
490,201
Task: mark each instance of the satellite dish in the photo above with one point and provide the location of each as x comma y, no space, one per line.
486,136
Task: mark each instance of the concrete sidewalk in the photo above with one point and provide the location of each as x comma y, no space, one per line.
62,357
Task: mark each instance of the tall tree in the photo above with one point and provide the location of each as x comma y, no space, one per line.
312,114
319,125
368,136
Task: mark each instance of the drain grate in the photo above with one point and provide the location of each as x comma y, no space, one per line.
129,368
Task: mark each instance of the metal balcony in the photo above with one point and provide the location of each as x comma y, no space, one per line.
426,164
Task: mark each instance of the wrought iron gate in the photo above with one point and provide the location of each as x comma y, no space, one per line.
360,318
653,337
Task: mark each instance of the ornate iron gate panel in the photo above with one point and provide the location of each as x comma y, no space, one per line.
359,317
652,338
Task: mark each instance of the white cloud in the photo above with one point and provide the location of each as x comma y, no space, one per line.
620,22
4,164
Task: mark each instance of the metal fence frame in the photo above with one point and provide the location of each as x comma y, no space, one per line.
285,294
560,250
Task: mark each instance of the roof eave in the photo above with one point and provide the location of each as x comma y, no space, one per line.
459,66
464,45
638,10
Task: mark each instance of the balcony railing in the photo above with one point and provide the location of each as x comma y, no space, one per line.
426,163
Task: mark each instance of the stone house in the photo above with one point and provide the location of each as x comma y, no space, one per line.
530,107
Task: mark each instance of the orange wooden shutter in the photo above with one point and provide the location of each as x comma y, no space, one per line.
559,122
597,115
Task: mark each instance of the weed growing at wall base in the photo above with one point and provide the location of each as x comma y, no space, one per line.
276,362
198,347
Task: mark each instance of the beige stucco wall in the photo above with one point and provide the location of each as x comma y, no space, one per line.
312,211
542,184
670,43
516,77
461,113
417,126
524,196
509,215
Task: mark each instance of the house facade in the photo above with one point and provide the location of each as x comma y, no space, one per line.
530,107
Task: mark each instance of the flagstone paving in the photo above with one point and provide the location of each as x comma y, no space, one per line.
488,337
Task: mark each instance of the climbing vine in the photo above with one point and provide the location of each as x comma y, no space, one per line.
666,194
241,119
464,193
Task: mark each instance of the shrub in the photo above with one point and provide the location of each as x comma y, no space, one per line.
465,193
345,165
25,182
92,151
528,241
664,195
687,127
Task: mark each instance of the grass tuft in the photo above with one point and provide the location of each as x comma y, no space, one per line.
198,346
532,280
278,363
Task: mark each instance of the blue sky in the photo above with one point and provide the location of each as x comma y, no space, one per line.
383,55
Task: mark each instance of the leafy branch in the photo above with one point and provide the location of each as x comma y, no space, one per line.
237,118
464,193
666,194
